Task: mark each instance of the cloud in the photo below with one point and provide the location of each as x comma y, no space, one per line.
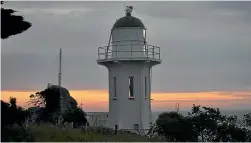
205,46
54,11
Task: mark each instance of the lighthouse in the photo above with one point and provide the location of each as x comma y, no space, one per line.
129,60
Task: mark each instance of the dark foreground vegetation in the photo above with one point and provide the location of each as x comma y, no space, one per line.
202,124
17,122
46,133
15,128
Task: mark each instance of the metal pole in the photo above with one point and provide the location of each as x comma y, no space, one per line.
60,60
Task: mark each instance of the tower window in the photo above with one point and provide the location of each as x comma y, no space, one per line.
131,86
145,86
114,87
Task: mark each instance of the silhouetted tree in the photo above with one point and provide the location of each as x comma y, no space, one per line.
78,116
247,123
202,124
12,24
12,114
4,114
212,126
13,102
247,119
49,99
205,122
175,127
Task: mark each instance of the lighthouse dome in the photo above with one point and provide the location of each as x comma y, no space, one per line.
128,21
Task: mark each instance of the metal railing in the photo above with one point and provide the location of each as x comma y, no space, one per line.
130,51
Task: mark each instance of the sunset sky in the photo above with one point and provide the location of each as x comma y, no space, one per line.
97,100
205,51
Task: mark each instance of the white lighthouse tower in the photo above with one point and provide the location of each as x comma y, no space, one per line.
129,60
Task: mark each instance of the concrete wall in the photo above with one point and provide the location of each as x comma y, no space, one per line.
123,111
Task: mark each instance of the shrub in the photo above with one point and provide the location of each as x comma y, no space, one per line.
16,134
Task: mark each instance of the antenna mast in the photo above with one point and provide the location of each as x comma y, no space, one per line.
60,62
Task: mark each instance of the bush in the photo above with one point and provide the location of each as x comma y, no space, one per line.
12,114
105,131
16,134
46,133
202,124
174,127
77,115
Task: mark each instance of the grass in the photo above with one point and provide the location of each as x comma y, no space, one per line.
45,133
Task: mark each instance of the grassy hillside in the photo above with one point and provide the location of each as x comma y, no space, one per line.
45,133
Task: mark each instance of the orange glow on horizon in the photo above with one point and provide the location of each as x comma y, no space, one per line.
97,100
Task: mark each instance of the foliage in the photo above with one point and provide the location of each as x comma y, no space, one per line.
49,102
211,126
174,127
12,114
45,133
202,124
102,130
12,24
49,99
13,102
247,120
153,130
76,115
247,124
16,134
205,121
35,114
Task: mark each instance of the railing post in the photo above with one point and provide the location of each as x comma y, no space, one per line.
153,52
147,51
116,51
106,54
131,50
